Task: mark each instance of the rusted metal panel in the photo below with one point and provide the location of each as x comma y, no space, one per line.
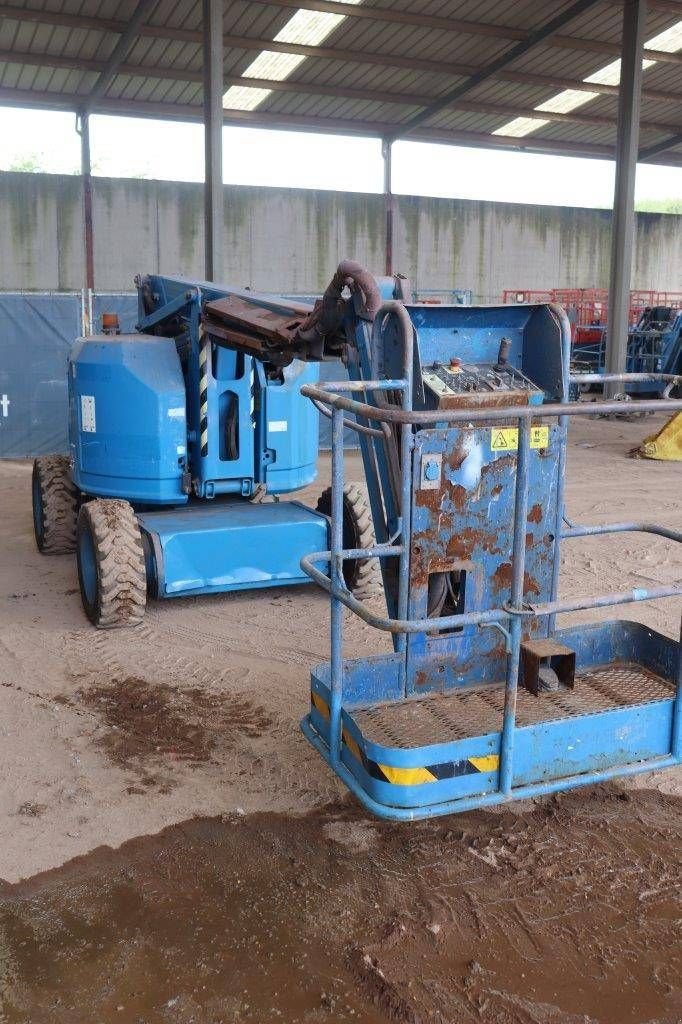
466,523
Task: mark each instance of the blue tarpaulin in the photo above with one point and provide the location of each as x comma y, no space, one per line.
36,333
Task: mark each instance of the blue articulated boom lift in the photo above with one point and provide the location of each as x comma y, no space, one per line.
183,436
462,414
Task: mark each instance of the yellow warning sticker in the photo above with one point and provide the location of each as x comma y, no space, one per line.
506,439
539,437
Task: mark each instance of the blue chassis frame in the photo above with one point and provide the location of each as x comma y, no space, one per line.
532,760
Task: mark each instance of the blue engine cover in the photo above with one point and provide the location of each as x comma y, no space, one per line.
291,429
127,418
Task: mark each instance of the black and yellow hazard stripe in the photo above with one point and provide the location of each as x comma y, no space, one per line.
410,776
205,346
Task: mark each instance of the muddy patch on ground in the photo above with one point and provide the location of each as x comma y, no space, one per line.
151,722
568,913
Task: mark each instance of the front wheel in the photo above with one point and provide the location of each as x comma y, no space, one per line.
111,568
361,575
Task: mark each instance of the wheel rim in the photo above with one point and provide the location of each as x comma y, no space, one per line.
87,567
38,523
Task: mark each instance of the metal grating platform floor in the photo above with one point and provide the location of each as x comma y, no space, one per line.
460,714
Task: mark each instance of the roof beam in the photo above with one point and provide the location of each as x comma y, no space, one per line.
597,46
390,16
317,89
435,67
125,43
49,60
317,52
536,37
379,13
321,125
573,117
660,147
673,6
90,23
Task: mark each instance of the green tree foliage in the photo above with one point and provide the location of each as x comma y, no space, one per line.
659,206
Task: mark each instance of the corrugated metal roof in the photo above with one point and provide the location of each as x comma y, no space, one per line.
369,75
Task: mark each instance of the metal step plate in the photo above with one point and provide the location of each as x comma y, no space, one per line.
468,712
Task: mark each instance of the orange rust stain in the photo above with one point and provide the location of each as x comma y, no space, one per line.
530,585
502,578
530,541
497,465
497,489
459,496
535,514
457,457
462,544
429,499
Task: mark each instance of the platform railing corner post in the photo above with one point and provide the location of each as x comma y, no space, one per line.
517,592
676,741
336,614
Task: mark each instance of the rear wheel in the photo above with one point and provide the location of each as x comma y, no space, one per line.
111,568
361,575
55,505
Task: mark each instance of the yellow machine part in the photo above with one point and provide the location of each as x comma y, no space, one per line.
667,443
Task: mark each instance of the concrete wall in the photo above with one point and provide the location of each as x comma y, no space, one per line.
291,240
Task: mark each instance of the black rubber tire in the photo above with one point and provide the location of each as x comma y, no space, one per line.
362,575
55,505
108,529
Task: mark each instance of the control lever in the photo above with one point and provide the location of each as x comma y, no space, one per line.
503,354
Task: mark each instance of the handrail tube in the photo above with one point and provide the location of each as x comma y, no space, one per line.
365,385
360,428
389,625
676,737
376,551
336,614
428,417
625,378
596,531
393,307
562,442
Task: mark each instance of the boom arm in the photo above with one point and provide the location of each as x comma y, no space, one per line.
278,336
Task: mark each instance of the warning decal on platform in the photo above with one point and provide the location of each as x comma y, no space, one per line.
506,439
539,437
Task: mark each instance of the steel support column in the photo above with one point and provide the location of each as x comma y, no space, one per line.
83,129
389,205
213,137
623,223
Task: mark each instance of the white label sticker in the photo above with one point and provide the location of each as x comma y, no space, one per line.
176,413
278,426
88,425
